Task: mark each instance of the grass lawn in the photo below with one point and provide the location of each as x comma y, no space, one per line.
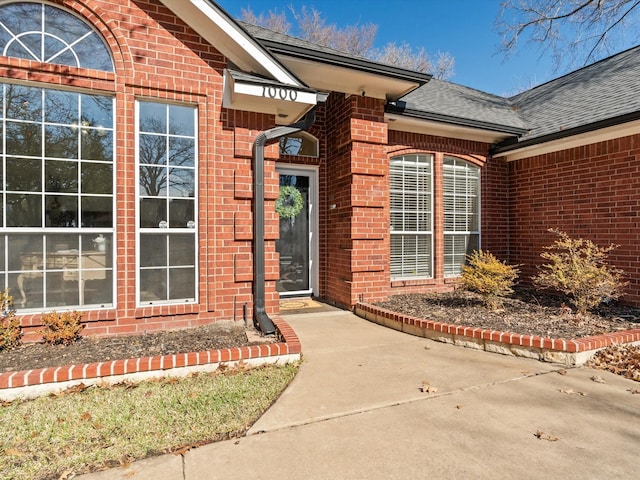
99,427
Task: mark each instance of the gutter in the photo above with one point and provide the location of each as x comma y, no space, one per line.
398,108
514,144
261,319
343,60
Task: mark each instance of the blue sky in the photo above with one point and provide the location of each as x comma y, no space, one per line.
464,28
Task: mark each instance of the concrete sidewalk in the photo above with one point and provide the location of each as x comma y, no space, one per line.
356,411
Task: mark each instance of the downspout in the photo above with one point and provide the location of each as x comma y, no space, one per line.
261,320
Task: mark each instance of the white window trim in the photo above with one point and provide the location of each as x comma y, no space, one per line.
138,230
429,233
46,231
465,232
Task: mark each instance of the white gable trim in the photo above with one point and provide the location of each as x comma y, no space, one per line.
215,26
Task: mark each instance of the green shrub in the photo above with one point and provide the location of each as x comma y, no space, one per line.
10,332
61,328
489,277
579,269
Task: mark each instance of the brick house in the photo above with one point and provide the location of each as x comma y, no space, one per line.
164,167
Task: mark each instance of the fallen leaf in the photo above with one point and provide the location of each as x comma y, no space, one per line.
65,475
634,391
125,460
426,388
81,387
13,452
562,372
85,416
570,391
183,450
545,436
598,379
459,407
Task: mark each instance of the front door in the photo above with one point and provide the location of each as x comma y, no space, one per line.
296,207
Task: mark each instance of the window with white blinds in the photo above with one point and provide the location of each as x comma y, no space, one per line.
411,197
461,213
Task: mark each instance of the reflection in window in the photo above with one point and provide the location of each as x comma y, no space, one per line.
44,33
57,221
461,213
167,208
302,144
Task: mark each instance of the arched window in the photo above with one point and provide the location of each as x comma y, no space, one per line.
411,205
44,33
461,213
302,144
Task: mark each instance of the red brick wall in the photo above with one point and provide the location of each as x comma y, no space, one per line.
157,56
356,242
590,192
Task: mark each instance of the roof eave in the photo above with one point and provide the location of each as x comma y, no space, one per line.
218,28
360,64
508,130
513,145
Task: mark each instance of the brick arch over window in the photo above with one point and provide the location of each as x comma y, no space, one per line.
49,34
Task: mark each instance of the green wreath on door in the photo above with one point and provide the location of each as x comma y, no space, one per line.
290,202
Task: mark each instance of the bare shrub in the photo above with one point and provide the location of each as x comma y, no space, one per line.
579,269
61,328
10,332
488,276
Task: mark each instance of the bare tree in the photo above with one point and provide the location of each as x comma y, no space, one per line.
403,55
356,39
576,32
273,20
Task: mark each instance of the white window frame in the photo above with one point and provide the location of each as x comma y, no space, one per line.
452,267
140,231
45,232
428,196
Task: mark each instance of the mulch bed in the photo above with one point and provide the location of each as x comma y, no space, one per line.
527,312
93,349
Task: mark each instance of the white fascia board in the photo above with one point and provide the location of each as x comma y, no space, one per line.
583,139
429,127
207,19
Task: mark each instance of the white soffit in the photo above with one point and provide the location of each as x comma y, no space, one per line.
587,138
335,78
286,103
429,127
230,39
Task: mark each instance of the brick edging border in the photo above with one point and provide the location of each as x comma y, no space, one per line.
567,352
17,384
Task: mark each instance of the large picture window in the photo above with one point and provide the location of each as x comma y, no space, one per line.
411,193
461,213
167,205
57,191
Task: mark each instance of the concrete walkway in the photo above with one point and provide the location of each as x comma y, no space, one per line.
356,411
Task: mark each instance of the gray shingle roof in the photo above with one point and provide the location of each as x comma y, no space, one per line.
454,103
604,90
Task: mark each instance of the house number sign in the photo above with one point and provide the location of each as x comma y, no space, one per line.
281,93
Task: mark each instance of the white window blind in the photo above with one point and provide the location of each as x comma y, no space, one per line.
461,213
411,210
